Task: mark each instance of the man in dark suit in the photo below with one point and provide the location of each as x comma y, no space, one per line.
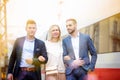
27,55
76,58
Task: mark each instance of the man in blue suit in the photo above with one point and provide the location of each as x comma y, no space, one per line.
27,55
76,48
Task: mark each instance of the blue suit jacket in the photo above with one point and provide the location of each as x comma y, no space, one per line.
85,46
15,59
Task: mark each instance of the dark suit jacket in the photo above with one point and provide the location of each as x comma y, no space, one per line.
15,59
85,46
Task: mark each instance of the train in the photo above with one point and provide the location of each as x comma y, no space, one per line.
107,67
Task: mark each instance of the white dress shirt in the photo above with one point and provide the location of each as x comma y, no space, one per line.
27,53
75,44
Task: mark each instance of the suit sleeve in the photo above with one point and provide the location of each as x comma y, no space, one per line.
93,54
65,53
12,58
43,53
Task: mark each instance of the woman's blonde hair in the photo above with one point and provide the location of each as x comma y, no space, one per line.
49,32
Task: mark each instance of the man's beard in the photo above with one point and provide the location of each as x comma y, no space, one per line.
71,31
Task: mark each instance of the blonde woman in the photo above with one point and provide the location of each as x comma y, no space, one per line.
55,69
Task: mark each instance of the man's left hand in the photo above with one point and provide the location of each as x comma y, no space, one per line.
41,58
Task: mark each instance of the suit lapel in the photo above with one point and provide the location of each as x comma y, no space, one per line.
35,46
80,45
72,54
22,43
20,47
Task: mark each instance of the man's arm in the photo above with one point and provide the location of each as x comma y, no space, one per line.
93,54
42,59
12,61
66,58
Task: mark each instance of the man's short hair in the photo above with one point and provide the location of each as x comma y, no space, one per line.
72,19
30,21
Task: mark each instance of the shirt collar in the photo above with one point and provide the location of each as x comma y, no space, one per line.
30,40
77,35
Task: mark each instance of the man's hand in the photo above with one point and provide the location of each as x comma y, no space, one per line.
67,58
29,61
78,62
41,58
10,76
89,71
81,62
